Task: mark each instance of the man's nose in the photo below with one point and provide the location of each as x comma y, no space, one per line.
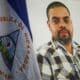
62,24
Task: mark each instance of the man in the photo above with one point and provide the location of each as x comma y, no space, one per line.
59,59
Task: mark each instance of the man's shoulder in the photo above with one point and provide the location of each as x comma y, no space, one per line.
44,49
43,54
77,46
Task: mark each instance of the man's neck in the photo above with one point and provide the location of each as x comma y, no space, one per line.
69,48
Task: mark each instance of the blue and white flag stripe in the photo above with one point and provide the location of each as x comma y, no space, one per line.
20,8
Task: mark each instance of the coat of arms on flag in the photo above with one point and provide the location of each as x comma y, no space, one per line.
8,47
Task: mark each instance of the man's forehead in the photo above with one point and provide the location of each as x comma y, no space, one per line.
58,11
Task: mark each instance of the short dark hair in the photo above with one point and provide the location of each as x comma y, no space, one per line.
56,4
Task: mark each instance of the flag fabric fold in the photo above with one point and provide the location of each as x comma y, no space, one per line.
20,8
17,58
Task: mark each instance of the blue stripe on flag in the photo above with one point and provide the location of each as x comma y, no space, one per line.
21,9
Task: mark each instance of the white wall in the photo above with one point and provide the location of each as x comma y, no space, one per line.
37,17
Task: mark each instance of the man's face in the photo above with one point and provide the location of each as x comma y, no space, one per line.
60,24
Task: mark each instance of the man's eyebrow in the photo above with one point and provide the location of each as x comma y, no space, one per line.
66,17
54,17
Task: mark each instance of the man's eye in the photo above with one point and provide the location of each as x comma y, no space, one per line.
55,21
66,20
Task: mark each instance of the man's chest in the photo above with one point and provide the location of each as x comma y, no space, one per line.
65,65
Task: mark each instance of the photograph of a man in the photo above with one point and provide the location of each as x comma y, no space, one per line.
59,59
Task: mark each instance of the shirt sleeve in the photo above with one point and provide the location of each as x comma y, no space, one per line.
44,68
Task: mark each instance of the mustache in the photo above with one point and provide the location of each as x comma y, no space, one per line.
63,29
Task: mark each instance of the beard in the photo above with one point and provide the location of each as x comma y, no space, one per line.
63,38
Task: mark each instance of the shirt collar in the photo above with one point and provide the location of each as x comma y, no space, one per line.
57,45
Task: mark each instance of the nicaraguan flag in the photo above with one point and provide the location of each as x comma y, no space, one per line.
17,59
